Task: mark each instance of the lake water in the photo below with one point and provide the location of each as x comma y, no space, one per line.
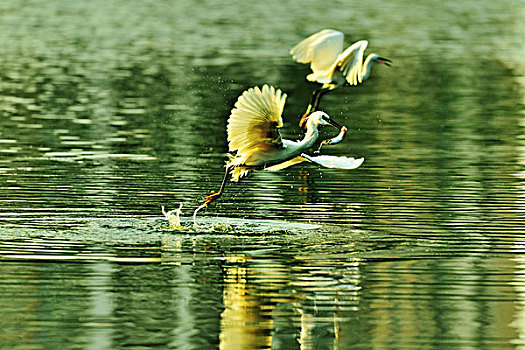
111,109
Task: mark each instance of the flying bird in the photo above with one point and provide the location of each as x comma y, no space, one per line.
331,66
253,134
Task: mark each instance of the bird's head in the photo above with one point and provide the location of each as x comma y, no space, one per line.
321,118
375,58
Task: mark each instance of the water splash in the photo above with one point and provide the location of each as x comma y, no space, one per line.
235,226
174,222
203,205
174,219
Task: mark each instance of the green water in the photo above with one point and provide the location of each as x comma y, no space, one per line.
111,109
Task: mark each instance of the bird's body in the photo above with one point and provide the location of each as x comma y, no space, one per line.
253,134
331,66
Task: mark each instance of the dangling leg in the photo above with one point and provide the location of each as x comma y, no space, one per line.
310,108
314,102
214,195
307,113
320,93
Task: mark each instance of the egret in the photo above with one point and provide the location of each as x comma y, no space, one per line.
331,66
253,133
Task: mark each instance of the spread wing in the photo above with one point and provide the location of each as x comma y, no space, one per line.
350,62
320,49
286,164
254,121
335,162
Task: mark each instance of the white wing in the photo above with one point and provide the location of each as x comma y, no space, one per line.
286,164
254,121
320,50
350,62
335,162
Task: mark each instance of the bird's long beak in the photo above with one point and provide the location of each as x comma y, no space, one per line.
335,124
385,61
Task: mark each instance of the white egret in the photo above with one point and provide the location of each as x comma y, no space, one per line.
253,133
331,66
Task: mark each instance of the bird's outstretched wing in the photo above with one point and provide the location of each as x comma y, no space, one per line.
326,161
335,162
286,164
350,62
254,121
321,50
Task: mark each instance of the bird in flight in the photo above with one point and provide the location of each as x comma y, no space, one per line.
254,137
331,66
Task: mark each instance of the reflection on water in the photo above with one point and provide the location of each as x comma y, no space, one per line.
110,110
327,290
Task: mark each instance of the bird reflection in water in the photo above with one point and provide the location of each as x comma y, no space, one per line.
266,306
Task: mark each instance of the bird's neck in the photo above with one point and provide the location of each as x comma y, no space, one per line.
367,67
312,133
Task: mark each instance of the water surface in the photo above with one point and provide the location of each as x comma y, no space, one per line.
109,110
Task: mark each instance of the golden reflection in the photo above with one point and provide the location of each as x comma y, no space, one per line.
271,305
244,322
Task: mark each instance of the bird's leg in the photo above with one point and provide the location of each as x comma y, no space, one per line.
311,108
320,93
213,196
314,102
304,118
302,122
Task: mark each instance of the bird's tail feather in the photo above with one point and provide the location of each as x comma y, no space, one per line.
238,170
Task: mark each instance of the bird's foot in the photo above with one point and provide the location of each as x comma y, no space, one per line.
210,198
207,200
